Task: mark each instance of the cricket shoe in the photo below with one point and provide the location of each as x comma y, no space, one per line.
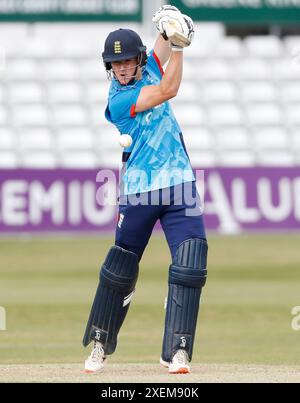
95,362
179,363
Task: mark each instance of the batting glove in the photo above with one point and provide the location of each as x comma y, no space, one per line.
180,33
164,14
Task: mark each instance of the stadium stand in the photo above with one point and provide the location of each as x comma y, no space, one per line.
238,105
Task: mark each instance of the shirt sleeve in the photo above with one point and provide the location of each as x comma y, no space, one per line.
154,64
123,104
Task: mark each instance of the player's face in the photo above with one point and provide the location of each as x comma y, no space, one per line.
125,70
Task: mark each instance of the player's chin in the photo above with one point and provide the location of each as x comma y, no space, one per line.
124,80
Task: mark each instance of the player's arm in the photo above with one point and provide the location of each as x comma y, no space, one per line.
153,95
162,49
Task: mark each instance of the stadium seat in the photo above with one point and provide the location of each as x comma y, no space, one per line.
264,114
148,41
3,58
228,114
293,114
209,35
290,92
97,117
22,70
3,116
276,159
30,115
198,138
233,138
199,50
189,115
220,91
25,93
238,158
112,159
77,31
8,48
76,49
260,91
271,138
296,138
214,70
64,92
297,158
286,69
212,31
12,37
75,139
64,70
80,159
38,48
39,159
252,69
187,92
97,92
36,139
93,70
12,31
264,46
2,93
203,159
107,140
189,71
292,46
69,115
8,160
229,48
7,139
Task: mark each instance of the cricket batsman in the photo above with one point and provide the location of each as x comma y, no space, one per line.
155,164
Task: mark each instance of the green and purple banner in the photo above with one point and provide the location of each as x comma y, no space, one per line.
241,11
70,10
79,201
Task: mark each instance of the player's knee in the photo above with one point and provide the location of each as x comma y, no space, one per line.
138,248
189,268
120,269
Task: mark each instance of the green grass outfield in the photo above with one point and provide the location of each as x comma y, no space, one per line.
47,286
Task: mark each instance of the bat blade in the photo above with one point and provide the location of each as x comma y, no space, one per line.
176,37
